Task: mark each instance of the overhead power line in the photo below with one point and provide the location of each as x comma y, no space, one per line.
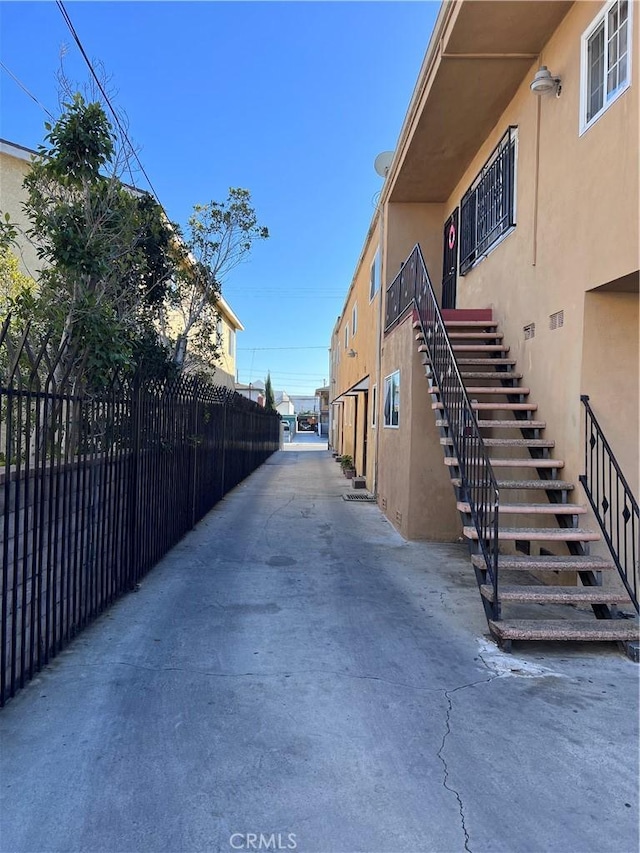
25,90
115,115
258,349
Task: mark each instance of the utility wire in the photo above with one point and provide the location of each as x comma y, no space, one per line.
25,90
76,38
256,349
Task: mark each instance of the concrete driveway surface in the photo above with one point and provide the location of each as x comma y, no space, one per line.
295,676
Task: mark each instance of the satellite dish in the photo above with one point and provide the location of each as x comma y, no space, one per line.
382,162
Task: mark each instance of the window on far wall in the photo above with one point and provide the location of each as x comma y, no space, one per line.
374,405
392,400
346,336
232,342
354,320
375,276
487,209
606,55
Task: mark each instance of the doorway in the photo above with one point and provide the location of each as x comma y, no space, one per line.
450,261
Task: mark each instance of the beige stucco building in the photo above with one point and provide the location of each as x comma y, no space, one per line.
524,201
15,163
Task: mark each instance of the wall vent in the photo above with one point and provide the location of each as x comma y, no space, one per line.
399,517
556,321
383,504
529,331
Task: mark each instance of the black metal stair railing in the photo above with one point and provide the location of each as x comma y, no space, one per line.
412,288
612,501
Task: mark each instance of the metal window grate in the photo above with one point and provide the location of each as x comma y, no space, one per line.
529,331
487,207
556,321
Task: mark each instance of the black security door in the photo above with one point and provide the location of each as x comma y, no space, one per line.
450,261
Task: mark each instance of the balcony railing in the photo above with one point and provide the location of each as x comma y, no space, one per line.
412,289
612,501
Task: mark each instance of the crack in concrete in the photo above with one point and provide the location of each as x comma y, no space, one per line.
439,754
283,673
277,510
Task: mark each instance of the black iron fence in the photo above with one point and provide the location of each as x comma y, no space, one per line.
612,501
96,486
412,288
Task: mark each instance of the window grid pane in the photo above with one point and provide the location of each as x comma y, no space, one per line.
595,83
607,58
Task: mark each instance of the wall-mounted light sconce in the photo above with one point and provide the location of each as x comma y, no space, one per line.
352,353
544,82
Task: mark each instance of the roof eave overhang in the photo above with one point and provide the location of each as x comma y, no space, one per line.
478,56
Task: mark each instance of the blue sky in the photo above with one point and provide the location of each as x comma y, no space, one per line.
292,100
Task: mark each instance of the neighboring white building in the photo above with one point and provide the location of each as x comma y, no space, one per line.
253,391
284,403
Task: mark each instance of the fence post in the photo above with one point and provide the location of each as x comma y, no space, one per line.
194,466
132,520
224,447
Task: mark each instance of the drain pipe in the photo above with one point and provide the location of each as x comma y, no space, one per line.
379,390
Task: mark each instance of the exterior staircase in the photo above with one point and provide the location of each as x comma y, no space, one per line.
536,515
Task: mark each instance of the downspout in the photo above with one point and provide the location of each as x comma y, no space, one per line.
382,255
536,181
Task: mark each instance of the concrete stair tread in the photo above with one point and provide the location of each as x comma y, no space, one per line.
515,391
489,362
486,374
511,424
471,324
545,485
538,534
533,509
509,442
479,347
502,424
501,406
541,594
548,563
475,335
561,629
514,463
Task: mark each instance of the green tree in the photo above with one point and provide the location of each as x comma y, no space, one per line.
108,251
17,290
220,236
269,399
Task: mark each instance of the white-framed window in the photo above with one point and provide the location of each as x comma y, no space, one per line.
392,399
374,279
219,331
605,61
232,342
346,336
354,319
374,405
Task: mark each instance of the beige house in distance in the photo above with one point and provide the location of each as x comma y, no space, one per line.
509,217
15,163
